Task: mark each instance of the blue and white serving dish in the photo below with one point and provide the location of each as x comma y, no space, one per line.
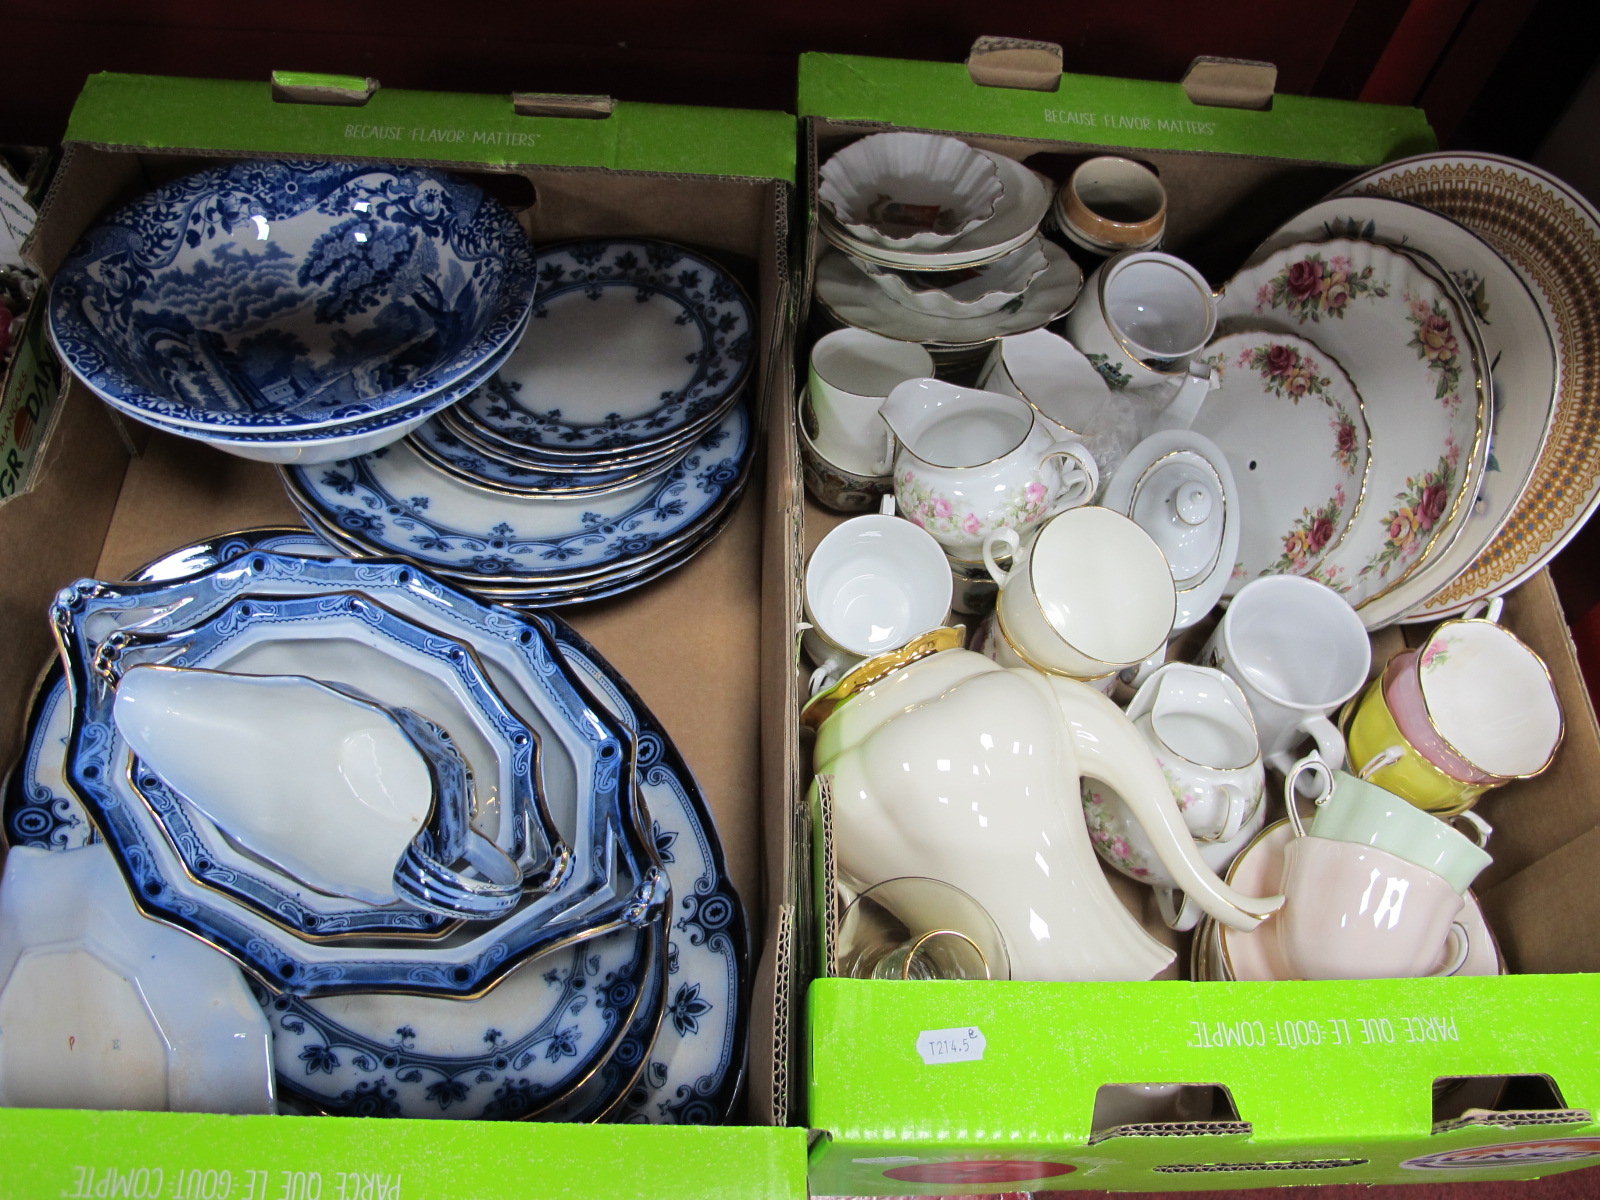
615,882
532,1046
291,295
395,502
372,650
633,343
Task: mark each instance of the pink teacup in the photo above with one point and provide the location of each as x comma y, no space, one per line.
1356,912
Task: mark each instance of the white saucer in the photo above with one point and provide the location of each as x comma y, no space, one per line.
855,300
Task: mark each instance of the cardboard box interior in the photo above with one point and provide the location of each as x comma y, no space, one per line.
113,495
1537,896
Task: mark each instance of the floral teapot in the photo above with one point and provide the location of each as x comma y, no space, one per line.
968,463
953,767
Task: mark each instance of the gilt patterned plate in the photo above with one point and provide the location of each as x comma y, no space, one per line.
1522,363
1404,343
633,342
1550,235
1292,427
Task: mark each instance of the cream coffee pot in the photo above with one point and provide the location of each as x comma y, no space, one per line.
954,767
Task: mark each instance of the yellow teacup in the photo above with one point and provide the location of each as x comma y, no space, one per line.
1373,735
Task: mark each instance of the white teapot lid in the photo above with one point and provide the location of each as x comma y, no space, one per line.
1178,487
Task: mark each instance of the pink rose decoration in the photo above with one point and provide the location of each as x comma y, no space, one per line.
1432,506
1321,533
1305,279
972,525
942,507
1347,437
1281,359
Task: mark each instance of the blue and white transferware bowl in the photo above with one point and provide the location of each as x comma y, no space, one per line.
290,295
329,443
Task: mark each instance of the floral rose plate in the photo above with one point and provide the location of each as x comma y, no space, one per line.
1550,234
1528,383
1412,356
1291,425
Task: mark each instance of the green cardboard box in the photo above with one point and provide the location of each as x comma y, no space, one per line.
107,497
972,1087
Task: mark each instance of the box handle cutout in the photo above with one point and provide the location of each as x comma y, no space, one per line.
311,87
1015,63
555,104
1164,1109
1231,82
1500,1100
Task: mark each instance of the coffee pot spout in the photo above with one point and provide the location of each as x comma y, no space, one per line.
1110,749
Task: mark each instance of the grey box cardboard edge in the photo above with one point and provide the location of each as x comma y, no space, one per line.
88,467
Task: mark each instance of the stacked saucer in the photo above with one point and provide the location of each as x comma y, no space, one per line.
610,447
938,242
551,1007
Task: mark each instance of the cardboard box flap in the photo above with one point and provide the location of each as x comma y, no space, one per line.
179,1154
234,117
1105,112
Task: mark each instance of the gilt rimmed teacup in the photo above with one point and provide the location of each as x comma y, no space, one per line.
852,373
1088,595
1352,809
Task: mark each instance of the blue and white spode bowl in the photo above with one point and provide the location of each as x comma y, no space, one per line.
291,295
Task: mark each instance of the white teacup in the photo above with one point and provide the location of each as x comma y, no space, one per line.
1298,651
1141,316
1090,594
873,583
852,373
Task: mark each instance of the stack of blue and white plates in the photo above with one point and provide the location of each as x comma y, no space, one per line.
613,987
608,449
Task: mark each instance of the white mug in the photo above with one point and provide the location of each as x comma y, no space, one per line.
872,584
852,373
1298,651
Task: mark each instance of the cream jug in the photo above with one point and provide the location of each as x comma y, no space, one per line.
956,768
969,462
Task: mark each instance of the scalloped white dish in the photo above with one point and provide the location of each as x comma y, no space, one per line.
902,190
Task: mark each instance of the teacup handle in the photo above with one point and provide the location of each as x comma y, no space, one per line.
1085,483
1489,609
1480,827
1330,745
1458,957
1177,910
1311,764
1008,537
1240,810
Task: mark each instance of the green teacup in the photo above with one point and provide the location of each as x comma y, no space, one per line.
1351,809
